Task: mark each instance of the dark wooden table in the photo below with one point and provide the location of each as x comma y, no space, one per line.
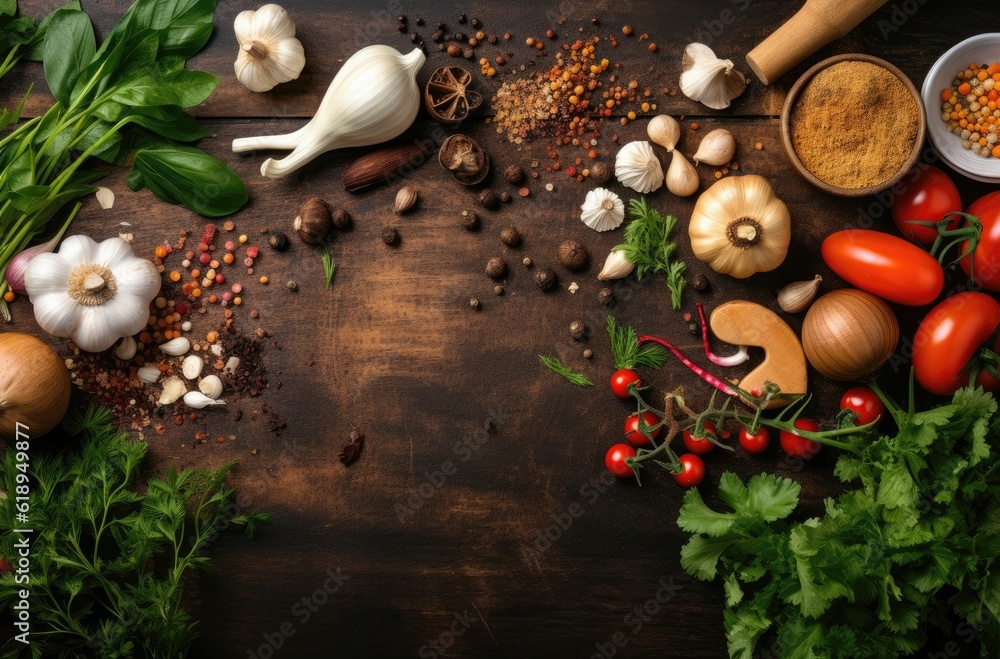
435,541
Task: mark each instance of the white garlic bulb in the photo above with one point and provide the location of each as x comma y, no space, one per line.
176,347
211,386
173,389
709,80
197,400
269,52
192,366
603,210
616,266
126,349
716,149
637,167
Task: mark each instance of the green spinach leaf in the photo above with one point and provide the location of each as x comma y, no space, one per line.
37,45
188,177
183,88
69,47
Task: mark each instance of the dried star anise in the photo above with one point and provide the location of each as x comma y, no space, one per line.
446,97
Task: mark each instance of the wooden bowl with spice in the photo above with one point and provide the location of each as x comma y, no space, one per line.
827,125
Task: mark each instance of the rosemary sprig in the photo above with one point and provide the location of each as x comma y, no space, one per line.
578,379
329,265
626,351
648,245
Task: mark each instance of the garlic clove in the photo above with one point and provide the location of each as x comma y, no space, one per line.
709,80
682,179
173,389
797,296
406,199
216,349
603,210
126,349
176,347
105,197
192,366
148,374
198,400
637,167
211,386
664,130
717,148
616,266
232,364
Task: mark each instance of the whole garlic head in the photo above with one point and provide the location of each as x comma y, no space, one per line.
710,80
269,52
603,210
637,167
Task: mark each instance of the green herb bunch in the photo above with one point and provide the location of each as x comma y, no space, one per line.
109,557
648,245
120,103
918,543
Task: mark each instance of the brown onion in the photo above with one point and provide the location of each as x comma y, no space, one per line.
34,386
848,334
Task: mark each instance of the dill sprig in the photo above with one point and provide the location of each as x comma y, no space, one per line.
648,245
329,265
578,379
626,351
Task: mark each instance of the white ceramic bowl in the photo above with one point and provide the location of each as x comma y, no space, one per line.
984,49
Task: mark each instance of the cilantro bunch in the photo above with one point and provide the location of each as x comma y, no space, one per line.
919,538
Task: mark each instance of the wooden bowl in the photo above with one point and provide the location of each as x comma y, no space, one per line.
786,126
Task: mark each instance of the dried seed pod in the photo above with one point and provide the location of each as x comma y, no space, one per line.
606,296
510,237
572,255
514,174
699,282
488,200
277,240
599,173
447,96
461,156
390,236
546,279
313,221
406,199
496,268
469,220
577,329
378,167
341,219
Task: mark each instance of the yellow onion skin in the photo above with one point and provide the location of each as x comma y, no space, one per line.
34,386
848,334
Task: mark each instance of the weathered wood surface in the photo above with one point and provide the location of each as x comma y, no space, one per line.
396,353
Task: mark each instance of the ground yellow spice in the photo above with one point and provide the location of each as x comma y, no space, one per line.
834,131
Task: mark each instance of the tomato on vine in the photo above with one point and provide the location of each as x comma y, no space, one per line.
634,435
694,470
701,445
614,460
800,447
621,380
864,402
930,197
757,443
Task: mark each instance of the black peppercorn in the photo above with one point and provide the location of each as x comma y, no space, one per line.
341,219
468,53
496,268
470,220
514,174
402,27
475,22
414,38
458,36
278,240
699,282
546,279
462,19
390,236
489,200
440,25
510,237
492,38
437,36
572,255
606,296
505,197
420,22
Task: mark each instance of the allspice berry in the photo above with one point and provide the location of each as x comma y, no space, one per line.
496,268
699,282
454,50
510,237
546,279
390,236
313,222
488,200
469,220
599,173
514,174
572,255
606,296
577,329
277,240
341,219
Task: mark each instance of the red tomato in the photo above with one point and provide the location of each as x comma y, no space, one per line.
614,460
632,432
949,337
800,447
864,402
621,379
929,196
986,258
694,470
884,265
701,445
755,444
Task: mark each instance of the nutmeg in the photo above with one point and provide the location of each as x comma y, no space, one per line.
341,219
313,221
514,174
546,279
510,237
488,200
572,255
277,240
599,173
496,268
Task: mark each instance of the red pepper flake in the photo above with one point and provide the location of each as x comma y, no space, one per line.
209,234
253,252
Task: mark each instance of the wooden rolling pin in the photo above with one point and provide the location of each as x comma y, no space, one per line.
818,23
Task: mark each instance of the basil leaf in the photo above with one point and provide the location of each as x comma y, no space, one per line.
188,177
69,47
183,88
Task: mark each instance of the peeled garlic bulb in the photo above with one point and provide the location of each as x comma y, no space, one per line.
269,52
211,386
664,130
603,210
716,149
637,167
192,366
176,347
197,400
173,389
798,295
148,374
126,349
682,179
709,80
616,266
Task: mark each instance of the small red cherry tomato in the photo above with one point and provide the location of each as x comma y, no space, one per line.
701,445
800,447
929,195
621,379
755,444
694,470
614,460
863,401
634,435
